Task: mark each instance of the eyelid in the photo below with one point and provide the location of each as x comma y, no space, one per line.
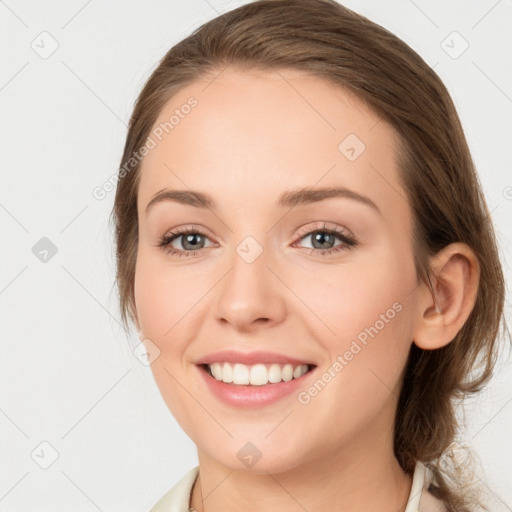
324,225
179,230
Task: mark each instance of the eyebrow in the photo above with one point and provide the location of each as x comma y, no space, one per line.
289,198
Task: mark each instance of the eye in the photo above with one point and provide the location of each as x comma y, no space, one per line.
323,239
192,241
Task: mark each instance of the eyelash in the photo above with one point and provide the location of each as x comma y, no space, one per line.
348,241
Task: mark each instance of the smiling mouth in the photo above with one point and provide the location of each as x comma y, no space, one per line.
257,374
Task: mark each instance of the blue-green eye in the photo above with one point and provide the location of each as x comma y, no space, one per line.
327,238
192,241
323,241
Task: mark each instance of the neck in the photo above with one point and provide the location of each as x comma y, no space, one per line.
364,476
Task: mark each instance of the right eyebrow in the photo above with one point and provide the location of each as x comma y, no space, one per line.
187,197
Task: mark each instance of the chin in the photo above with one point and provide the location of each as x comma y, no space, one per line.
256,457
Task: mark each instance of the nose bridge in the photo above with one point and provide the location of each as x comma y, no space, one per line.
250,292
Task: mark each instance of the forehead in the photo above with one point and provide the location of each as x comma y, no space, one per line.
255,131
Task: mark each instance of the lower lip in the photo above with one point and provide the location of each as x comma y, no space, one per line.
252,396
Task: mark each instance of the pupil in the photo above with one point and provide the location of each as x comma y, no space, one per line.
321,238
188,239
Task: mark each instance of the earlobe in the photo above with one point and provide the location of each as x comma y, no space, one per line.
456,275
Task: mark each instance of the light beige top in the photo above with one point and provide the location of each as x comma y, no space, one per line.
420,499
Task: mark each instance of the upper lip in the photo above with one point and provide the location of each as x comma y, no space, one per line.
248,358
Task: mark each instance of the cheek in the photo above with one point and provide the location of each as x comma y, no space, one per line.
371,315
364,312
149,298
345,299
163,296
163,300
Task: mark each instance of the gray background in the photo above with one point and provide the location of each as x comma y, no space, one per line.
68,375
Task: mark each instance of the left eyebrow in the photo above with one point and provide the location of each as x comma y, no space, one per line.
292,198
289,198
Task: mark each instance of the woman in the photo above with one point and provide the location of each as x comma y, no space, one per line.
303,242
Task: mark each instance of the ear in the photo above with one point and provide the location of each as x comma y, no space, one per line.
455,283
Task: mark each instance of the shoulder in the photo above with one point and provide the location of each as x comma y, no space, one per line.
178,498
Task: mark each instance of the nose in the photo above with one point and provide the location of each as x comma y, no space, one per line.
250,295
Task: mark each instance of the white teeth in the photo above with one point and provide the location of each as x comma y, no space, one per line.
274,373
216,371
256,375
287,372
240,374
227,373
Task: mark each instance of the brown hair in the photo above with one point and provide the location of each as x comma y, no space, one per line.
325,39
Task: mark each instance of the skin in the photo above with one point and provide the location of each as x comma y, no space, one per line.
253,135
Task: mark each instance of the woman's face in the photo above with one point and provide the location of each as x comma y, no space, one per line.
262,274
